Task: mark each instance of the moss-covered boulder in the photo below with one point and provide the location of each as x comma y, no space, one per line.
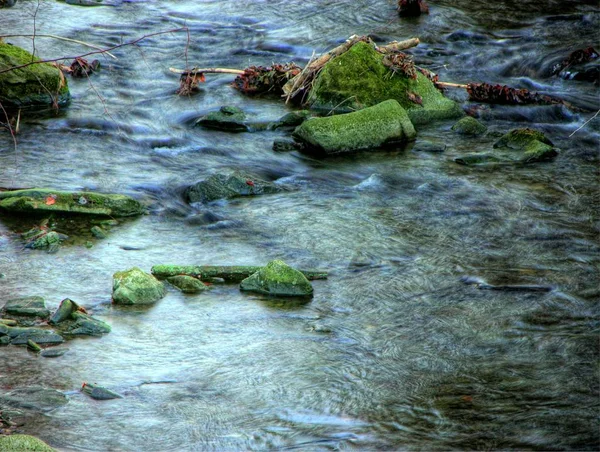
27,306
230,119
469,126
47,200
229,185
32,86
383,124
358,78
24,443
519,146
278,278
187,284
136,287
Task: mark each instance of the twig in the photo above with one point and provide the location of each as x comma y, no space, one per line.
208,70
13,135
135,41
451,85
76,41
584,124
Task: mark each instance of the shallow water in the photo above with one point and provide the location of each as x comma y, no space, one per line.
394,351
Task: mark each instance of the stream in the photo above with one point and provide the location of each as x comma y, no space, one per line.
394,351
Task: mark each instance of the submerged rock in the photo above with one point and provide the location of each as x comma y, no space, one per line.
136,287
48,240
519,146
225,186
231,119
42,200
358,78
27,306
36,398
469,126
36,85
24,443
292,119
278,278
383,124
187,284
84,325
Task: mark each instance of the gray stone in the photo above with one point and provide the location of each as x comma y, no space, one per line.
231,119
230,185
27,306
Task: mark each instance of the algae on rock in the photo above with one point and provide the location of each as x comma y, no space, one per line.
358,78
372,127
136,287
278,278
24,443
39,84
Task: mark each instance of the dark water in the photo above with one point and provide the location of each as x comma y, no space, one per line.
394,352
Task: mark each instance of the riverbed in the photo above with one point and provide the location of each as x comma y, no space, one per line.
394,351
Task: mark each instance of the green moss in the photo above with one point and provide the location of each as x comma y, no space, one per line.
24,443
34,85
136,287
278,278
469,126
519,139
358,79
187,284
37,200
370,127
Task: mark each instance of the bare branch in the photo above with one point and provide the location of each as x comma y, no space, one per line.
83,43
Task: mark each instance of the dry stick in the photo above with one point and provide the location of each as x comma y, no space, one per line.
135,41
208,70
584,124
451,85
14,138
83,43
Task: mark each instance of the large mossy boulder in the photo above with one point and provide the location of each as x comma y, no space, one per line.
383,124
278,278
24,443
517,147
136,287
36,85
358,78
229,185
47,200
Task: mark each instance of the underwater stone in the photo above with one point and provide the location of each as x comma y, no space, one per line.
278,278
469,126
230,119
187,284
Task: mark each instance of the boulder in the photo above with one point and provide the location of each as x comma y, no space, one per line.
358,78
24,443
64,311
383,124
46,200
231,185
519,146
278,278
27,306
469,126
136,287
36,85
187,284
230,119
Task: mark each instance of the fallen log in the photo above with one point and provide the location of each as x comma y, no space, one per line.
230,273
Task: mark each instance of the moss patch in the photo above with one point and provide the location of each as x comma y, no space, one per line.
136,287
278,278
35,85
358,79
24,443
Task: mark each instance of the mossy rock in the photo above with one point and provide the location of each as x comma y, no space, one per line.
187,284
229,185
27,306
519,146
24,443
136,287
469,126
32,86
383,124
230,119
278,278
47,200
81,324
358,78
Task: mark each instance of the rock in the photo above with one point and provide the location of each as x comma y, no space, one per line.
98,392
37,335
54,352
428,146
292,119
358,78
98,232
84,325
136,287
37,85
36,398
187,284
4,340
519,146
469,126
231,119
24,443
40,200
49,241
277,278
228,273
383,124
284,145
27,306
64,311
226,186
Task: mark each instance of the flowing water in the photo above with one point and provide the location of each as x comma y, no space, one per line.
393,352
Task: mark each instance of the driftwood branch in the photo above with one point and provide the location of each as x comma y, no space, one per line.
76,41
129,43
208,70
